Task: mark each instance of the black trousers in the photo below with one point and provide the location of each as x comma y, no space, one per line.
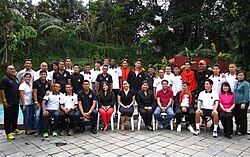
55,115
241,118
126,111
227,122
116,101
189,119
70,116
146,115
10,118
93,118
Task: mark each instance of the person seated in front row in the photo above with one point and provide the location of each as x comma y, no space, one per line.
184,102
210,103
68,105
106,101
50,106
86,105
164,100
126,100
146,102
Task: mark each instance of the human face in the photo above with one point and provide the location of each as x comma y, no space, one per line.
164,85
240,76
112,62
76,69
106,61
61,66
86,85
68,63
43,76
216,70
138,64
176,70
125,85
11,71
68,89
151,71
144,87
161,73
232,68
105,69
44,66
168,70
97,66
124,64
202,66
208,86
28,65
54,67
187,66
184,87
225,88
27,79
57,87
105,87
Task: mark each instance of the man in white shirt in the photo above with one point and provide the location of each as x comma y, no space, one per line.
95,72
168,74
68,65
157,82
68,105
50,106
231,75
54,68
27,69
44,67
176,80
217,78
210,103
87,74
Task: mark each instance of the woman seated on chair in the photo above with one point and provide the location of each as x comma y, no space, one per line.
126,100
106,100
227,105
146,102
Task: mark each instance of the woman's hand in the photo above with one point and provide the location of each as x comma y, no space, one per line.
24,108
243,106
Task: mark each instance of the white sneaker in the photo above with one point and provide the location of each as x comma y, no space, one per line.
179,128
161,126
197,132
215,134
191,129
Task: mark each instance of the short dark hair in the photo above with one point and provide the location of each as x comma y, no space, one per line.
176,65
105,66
217,65
112,58
61,61
67,58
164,81
125,60
55,62
138,60
151,67
76,65
210,81
27,60
43,71
86,81
228,85
186,83
27,74
68,84
87,64
188,61
145,81
98,61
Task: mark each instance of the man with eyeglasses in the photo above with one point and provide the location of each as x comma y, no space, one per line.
27,69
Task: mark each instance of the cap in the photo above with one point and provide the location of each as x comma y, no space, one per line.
203,62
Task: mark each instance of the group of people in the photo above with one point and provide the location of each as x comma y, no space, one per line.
69,97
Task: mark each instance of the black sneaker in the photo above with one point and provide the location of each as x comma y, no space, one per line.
93,130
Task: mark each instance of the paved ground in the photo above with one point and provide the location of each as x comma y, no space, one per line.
162,142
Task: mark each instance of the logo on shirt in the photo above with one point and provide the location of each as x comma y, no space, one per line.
219,80
65,75
46,86
206,75
139,75
89,77
115,71
212,97
107,79
79,80
72,99
90,95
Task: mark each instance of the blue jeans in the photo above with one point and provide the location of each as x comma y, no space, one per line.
28,116
38,118
164,120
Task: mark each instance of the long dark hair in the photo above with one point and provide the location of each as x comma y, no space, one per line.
227,85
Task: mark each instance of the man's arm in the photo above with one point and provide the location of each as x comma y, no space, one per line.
80,107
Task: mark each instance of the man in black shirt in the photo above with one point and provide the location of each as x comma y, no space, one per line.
104,76
40,86
87,104
76,79
61,76
10,96
150,77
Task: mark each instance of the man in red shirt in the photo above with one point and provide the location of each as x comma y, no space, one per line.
188,75
164,101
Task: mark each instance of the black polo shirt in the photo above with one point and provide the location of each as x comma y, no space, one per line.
41,89
86,99
61,78
10,86
201,77
100,78
76,81
150,80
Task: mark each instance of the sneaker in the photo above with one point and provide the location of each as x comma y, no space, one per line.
54,133
93,130
196,132
215,134
10,136
179,128
63,132
18,132
190,128
71,132
37,133
45,135
203,123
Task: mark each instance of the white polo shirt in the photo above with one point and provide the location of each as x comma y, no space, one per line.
176,83
185,101
208,99
27,93
168,77
217,82
70,71
53,101
231,79
116,73
69,101
50,75
95,73
157,83
89,77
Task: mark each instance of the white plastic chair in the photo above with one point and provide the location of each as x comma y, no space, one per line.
119,119
140,120
111,119
171,122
